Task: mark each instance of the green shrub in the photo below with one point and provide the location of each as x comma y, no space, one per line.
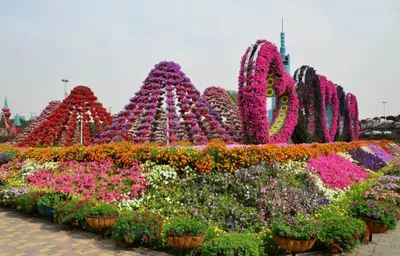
71,211
234,244
185,226
139,227
51,200
102,210
27,202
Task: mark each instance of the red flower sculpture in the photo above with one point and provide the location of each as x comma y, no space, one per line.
72,120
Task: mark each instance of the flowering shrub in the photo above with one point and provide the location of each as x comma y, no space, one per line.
297,227
374,210
61,127
262,74
100,181
367,160
337,172
159,175
71,211
9,195
341,233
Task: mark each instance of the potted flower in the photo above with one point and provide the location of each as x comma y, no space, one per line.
136,228
185,232
72,211
48,202
101,217
294,233
379,217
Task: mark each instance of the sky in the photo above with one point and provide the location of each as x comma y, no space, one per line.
111,46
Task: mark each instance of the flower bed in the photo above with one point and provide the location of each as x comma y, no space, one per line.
303,192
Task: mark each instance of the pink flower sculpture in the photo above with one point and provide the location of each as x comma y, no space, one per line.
261,76
73,119
329,109
352,125
226,110
167,108
53,105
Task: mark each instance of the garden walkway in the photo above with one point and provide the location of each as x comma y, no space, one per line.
24,235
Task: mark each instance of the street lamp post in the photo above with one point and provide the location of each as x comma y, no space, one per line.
384,110
65,81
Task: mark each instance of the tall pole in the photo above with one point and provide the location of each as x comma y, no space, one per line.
81,129
65,81
384,110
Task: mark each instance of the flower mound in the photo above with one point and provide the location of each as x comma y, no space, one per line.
53,105
64,125
224,106
101,181
381,154
167,108
337,172
261,74
367,160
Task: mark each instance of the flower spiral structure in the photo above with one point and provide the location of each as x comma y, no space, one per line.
262,76
309,91
53,105
167,108
352,125
72,121
223,105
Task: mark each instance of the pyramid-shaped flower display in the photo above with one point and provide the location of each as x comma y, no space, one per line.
223,105
167,108
76,119
53,105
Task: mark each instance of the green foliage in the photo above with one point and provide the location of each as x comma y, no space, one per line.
341,233
50,200
72,211
234,244
27,202
297,227
270,246
185,226
102,210
141,227
233,94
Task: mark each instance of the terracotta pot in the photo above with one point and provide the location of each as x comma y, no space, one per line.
101,222
293,245
375,226
185,241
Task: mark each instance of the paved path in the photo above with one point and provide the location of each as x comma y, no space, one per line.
24,235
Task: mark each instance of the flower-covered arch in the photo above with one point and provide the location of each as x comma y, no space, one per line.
167,108
309,114
352,125
261,76
342,113
329,109
223,105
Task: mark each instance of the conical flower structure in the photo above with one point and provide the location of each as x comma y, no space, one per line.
76,119
53,105
167,108
223,105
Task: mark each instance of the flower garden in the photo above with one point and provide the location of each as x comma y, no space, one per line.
180,171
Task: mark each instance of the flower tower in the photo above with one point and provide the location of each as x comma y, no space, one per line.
351,123
319,107
50,108
262,76
17,124
227,111
167,108
342,113
7,127
75,120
